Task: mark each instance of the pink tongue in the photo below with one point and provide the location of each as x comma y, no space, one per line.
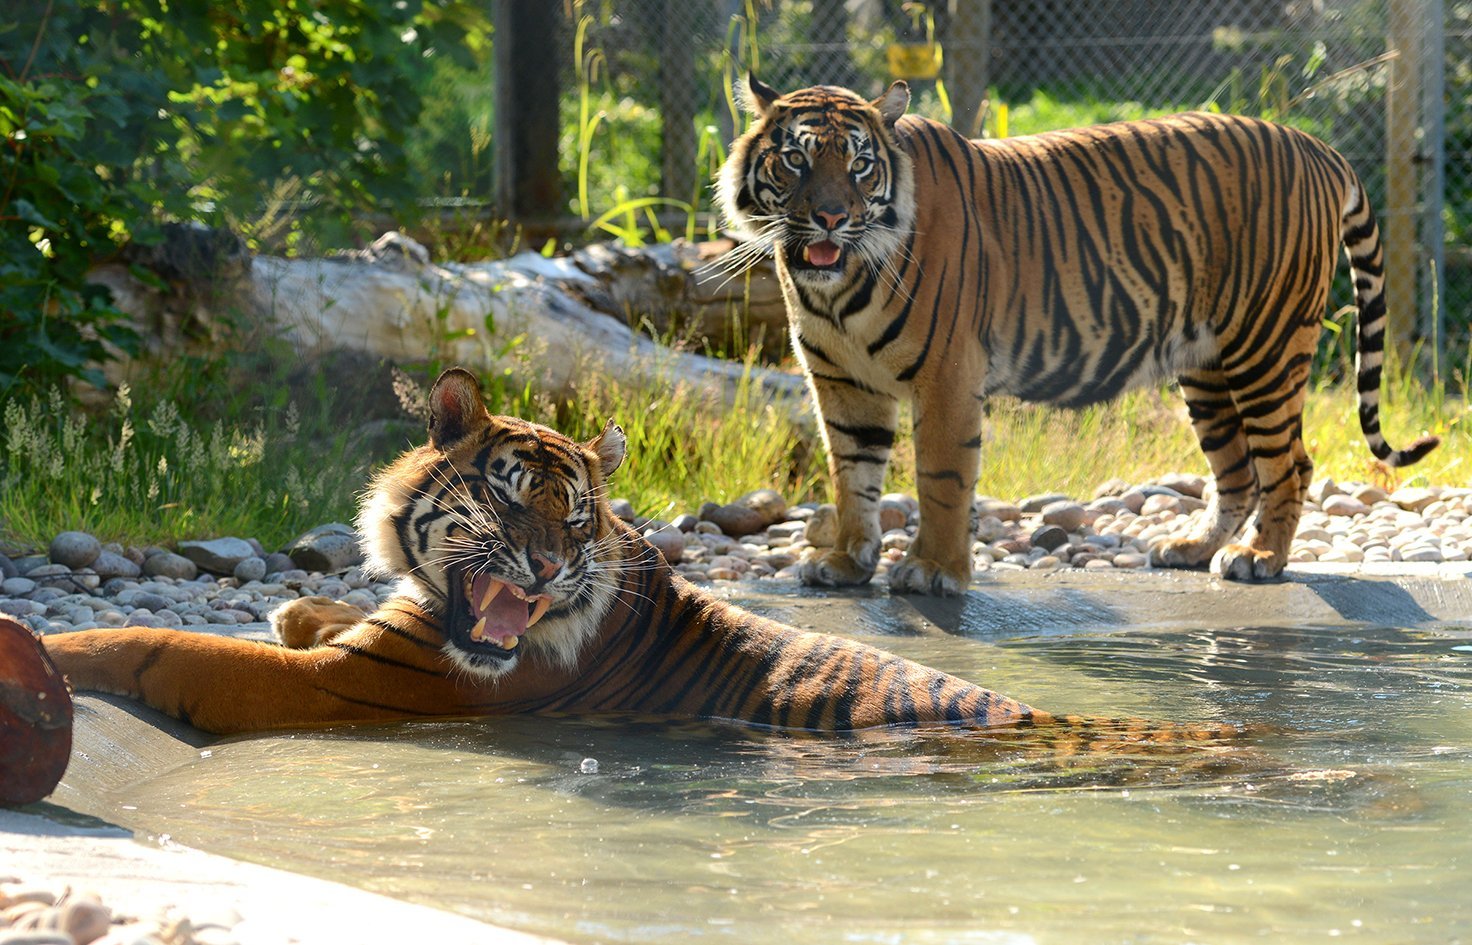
824,253
507,613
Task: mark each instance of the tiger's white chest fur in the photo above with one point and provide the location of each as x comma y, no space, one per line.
826,344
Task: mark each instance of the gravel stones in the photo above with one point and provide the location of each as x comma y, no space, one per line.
167,564
276,562
218,555
749,514
25,564
1413,499
111,564
250,569
1184,484
331,547
1067,515
37,915
767,503
732,519
998,508
669,540
74,549
1344,505
1049,537
822,526
1116,531
1370,494
1034,504
989,528
7,568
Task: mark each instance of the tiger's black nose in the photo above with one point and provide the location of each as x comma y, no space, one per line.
544,566
831,217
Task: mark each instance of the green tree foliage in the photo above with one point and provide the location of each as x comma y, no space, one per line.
119,115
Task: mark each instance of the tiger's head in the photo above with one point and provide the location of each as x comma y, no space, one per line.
821,180
500,526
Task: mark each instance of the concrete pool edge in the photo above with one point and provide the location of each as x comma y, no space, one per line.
58,843
1031,603
70,840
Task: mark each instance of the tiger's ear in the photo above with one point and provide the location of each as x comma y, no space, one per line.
609,446
892,104
455,408
757,98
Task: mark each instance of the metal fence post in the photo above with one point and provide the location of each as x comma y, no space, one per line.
676,106
1402,105
528,184
968,58
1433,176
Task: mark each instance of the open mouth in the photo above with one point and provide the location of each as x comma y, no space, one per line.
821,256
489,616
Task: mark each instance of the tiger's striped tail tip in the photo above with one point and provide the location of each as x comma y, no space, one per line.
1411,454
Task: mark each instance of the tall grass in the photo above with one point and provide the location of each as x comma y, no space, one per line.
687,446
1030,449
154,476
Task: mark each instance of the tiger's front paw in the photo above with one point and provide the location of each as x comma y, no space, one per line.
915,575
834,568
1181,553
1245,563
311,621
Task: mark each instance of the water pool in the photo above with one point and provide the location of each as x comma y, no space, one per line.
1354,821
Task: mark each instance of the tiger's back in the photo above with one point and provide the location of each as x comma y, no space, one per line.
1187,238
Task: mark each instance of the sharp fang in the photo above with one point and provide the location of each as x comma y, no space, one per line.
479,630
510,641
806,256
492,590
542,604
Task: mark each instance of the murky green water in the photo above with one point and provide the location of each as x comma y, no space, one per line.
1356,824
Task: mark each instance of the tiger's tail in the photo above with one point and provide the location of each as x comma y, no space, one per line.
1361,237
1087,733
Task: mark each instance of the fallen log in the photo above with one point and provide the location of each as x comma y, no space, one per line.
548,320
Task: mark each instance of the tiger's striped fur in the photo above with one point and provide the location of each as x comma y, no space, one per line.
1065,268
499,497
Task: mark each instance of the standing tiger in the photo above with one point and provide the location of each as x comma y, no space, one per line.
521,592
1064,268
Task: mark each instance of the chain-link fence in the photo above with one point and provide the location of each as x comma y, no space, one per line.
648,109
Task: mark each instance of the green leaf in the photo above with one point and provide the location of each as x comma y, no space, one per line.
27,211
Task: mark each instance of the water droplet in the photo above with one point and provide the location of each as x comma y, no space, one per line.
588,766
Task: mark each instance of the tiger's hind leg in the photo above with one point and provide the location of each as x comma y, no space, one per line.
1219,429
1273,423
312,621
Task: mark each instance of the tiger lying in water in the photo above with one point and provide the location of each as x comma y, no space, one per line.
522,593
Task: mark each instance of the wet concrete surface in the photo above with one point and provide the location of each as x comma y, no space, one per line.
1022,604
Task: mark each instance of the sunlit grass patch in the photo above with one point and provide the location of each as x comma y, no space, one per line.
154,476
159,474
687,446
